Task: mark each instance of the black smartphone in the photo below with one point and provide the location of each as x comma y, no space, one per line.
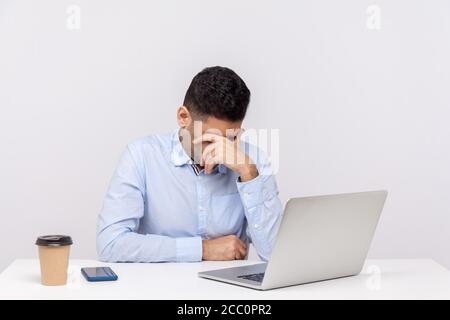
99,274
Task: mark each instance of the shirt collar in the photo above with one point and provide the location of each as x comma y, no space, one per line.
179,157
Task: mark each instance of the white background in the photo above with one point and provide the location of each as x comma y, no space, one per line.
357,109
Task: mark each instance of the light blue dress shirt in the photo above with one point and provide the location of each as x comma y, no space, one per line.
158,209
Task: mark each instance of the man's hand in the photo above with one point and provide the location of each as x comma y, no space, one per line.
221,150
224,248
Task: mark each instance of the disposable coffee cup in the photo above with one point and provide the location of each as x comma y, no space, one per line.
54,259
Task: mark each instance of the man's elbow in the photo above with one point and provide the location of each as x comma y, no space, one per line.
264,254
104,255
263,257
105,252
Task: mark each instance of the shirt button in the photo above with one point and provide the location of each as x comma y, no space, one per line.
256,226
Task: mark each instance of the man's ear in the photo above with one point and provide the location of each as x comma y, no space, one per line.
184,117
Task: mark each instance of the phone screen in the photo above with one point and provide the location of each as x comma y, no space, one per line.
99,274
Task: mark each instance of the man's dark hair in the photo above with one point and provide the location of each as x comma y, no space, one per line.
218,92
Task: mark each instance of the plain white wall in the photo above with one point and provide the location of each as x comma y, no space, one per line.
357,109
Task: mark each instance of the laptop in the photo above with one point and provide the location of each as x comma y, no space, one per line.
319,238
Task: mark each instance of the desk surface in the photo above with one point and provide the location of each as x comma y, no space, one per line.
380,279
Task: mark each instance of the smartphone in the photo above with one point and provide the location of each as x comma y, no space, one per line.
99,274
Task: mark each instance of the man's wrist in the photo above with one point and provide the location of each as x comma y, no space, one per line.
248,172
204,245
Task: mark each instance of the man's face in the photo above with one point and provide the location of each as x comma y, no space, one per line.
212,125
193,126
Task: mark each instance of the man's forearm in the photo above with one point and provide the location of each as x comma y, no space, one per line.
134,247
263,210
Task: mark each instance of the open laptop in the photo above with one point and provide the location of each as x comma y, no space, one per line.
320,238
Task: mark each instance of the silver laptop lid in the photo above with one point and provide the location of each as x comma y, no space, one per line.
323,237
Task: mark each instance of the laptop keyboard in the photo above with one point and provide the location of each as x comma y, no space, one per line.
257,277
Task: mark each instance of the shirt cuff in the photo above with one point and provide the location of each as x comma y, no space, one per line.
189,249
256,191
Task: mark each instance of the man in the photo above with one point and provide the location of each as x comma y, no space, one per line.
196,194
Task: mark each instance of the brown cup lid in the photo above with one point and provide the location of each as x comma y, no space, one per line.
54,241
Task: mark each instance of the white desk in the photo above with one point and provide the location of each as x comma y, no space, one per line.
380,279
